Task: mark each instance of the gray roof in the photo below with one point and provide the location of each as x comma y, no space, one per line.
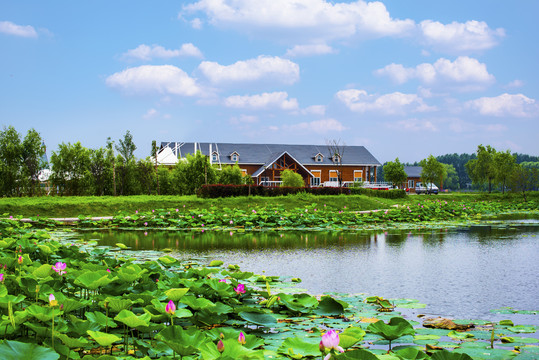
413,171
263,153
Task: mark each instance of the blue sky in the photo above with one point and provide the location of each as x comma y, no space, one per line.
404,78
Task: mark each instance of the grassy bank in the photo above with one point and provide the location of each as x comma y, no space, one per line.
108,205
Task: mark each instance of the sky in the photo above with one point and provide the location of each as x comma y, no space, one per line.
404,79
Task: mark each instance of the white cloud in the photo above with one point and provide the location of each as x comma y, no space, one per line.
318,126
7,27
150,114
263,68
313,20
394,103
467,72
307,50
196,23
314,110
163,79
244,119
412,125
456,37
278,100
517,105
515,84
146,53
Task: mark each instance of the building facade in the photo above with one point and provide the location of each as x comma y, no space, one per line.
265,162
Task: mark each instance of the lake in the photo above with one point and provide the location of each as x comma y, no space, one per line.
458,273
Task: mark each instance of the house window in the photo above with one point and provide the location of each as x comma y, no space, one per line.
358,175
411,183
315,180
243,172
336,158
214,157
333,175
234,157
318,158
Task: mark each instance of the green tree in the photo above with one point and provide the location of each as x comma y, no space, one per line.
523,180
432,171
127,147
10,161
191,173
111,159
230,175
451,180
504,164
101,171
126,181
482,169
394,172
165,181
32,154
292,179
145,176
70,169
154,155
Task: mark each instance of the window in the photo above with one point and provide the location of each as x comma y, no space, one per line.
243,172
411,183
315,180
336,158
319,158
333,175
234,157
214,157
358,175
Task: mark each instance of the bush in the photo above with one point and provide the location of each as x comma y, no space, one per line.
215,191
292,179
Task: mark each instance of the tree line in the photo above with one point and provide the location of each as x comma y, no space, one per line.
487,169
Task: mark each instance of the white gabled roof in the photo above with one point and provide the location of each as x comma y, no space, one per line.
165,156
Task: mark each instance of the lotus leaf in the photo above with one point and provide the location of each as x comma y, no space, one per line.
94,280
506,323
233,350
5,300
176,294
485,353
41,331
303,303
522,329
216,263
267,320
184,342
130,273
117,304
460,335
72,305
43,314
102,338
14,350
43,271
410,353
131,320
100,318
72,342
196,303
297,348
168,260
447,355
351,336
329,306
358,354
251,341
6,243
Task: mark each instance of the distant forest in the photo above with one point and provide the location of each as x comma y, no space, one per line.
459,162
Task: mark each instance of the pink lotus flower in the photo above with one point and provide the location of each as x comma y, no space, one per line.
145,224
170,308
59,267
20,260
240,289
1,277
231,222
177,210
241,339
108,270
222,280
330,341
220,346
52,300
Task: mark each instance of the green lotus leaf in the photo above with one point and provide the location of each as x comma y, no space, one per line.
410,353
328,306
506,323
396,328
72,342
351,336
6,243
41,331
303,303
130,273
80,327
43,271
72,305
3,290
220,309
240,275
258,319
93,280
251,341
176,294
101,319
168,260
216,263
131,320
122,246
484,353
184,342
457,335
358,354
448,355
522,329
297,348
43,313
5,300
196,303
117,304
102,338
233,350
14,350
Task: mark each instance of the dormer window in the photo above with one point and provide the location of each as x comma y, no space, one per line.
336,158
214,156
319,158
235,156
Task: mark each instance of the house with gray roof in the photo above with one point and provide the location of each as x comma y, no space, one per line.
265,162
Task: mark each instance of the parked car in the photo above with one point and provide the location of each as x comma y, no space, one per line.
426,189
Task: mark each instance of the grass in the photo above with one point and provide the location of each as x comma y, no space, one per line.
54,206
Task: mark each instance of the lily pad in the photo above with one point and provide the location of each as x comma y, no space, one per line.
258,319
15,350
298,348
103,339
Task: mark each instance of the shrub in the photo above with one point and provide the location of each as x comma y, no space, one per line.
292,179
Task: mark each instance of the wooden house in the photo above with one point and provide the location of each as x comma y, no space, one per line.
265,162
413,174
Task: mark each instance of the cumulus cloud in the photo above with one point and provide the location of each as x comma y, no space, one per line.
318,126
303,19
162,79
146,53
466,72
244,119
517,105
314,110
7,27
394,103
263,68
277,100
456,37
412,125
308,50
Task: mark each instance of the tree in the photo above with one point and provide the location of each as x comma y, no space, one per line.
482,169
504,164
112,160
154,154
523,179
292,179
100,169
10,161
32,154
230,175
191,173
70,169
451,180
336,151
127,147
432,170
459,163
394,172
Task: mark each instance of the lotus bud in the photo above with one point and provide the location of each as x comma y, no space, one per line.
241,339
222,336
220,346
321,346
52,300
330,341
20,260
240,289
170,308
